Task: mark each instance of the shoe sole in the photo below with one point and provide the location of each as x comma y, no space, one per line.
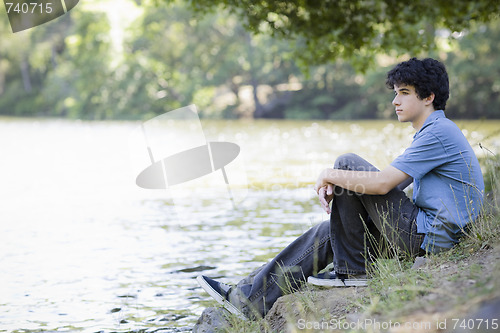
337,282
219,298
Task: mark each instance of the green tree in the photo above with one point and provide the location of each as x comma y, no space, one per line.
25,60
184,58
475,73
175,56
57,69
355,30
79,86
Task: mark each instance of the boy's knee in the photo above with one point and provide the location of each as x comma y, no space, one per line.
351,161
346,161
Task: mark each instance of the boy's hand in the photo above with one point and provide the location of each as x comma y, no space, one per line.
325,195
321,181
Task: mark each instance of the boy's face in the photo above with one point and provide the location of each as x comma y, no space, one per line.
409,107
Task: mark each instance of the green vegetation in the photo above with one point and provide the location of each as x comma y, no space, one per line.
354,30
179,52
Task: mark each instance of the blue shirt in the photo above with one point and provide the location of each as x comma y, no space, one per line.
448,183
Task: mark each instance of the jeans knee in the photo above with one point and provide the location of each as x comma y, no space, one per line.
351,161
346,161
323,228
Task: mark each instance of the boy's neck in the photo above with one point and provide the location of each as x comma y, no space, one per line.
419,122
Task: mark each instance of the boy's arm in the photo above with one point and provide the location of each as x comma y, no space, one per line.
364,182
405,183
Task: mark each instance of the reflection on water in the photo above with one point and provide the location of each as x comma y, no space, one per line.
84,249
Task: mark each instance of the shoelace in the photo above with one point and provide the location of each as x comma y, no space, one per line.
226,289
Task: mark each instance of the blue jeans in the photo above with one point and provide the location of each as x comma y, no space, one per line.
359,227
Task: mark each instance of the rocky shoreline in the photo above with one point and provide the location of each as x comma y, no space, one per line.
465,291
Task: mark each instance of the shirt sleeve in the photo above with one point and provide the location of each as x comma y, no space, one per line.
425,153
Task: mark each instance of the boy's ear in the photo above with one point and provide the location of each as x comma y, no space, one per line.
429,99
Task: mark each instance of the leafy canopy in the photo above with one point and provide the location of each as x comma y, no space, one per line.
356,30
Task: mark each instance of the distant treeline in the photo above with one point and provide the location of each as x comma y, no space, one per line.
169,57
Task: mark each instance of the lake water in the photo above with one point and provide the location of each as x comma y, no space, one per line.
83,248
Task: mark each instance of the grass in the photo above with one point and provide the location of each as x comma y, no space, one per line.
447,287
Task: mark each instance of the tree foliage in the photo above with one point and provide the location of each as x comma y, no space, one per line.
355,30
187,59
475,79
172,57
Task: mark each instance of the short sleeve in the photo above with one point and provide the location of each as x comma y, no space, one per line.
425,153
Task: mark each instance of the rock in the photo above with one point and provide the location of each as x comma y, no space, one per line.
420,262
211,320
484,319
311,306
488,311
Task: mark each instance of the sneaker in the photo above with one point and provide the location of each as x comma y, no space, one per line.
332,279
220,292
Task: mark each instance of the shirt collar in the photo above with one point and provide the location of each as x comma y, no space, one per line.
432,118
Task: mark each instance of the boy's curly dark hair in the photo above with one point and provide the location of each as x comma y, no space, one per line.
426,76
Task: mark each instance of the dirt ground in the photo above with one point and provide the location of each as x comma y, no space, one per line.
464,296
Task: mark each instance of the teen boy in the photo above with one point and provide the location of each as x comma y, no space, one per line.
368,205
